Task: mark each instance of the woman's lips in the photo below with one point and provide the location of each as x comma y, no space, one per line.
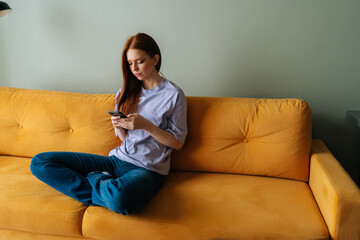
137,74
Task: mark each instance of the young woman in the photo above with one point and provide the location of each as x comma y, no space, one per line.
155,125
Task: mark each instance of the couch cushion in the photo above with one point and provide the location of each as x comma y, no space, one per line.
26,204
34,121
270,137
216,206
18,235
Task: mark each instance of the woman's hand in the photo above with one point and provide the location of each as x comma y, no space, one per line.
134,121
120,131
115,121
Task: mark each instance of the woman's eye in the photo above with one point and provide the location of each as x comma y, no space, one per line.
130,63
142,61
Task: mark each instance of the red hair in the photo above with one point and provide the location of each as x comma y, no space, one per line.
128,98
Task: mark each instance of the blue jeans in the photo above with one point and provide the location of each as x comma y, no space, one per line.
80,176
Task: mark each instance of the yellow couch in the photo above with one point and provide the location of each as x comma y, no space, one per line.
249,170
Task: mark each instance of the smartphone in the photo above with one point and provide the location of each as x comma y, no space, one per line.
114,113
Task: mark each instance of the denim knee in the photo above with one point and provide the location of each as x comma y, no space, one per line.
36,163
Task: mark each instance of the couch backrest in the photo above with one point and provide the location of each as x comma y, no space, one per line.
33,121
269,137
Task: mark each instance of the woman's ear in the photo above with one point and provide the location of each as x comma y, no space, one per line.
156,59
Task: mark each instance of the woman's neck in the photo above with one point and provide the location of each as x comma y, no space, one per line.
152,82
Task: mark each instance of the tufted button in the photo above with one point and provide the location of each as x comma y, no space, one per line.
71,130
21,126
246,140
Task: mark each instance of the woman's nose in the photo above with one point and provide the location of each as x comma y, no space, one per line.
134,67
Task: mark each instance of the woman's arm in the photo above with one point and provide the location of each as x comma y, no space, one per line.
164,137
136,121
120,132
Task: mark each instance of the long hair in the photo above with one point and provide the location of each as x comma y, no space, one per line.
131,88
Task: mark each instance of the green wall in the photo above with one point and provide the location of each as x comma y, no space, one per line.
307,49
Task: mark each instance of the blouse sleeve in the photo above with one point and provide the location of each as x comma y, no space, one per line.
177,122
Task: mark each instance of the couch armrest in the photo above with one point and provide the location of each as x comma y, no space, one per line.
336,194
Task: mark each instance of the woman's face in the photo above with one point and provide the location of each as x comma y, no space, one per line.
141,64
